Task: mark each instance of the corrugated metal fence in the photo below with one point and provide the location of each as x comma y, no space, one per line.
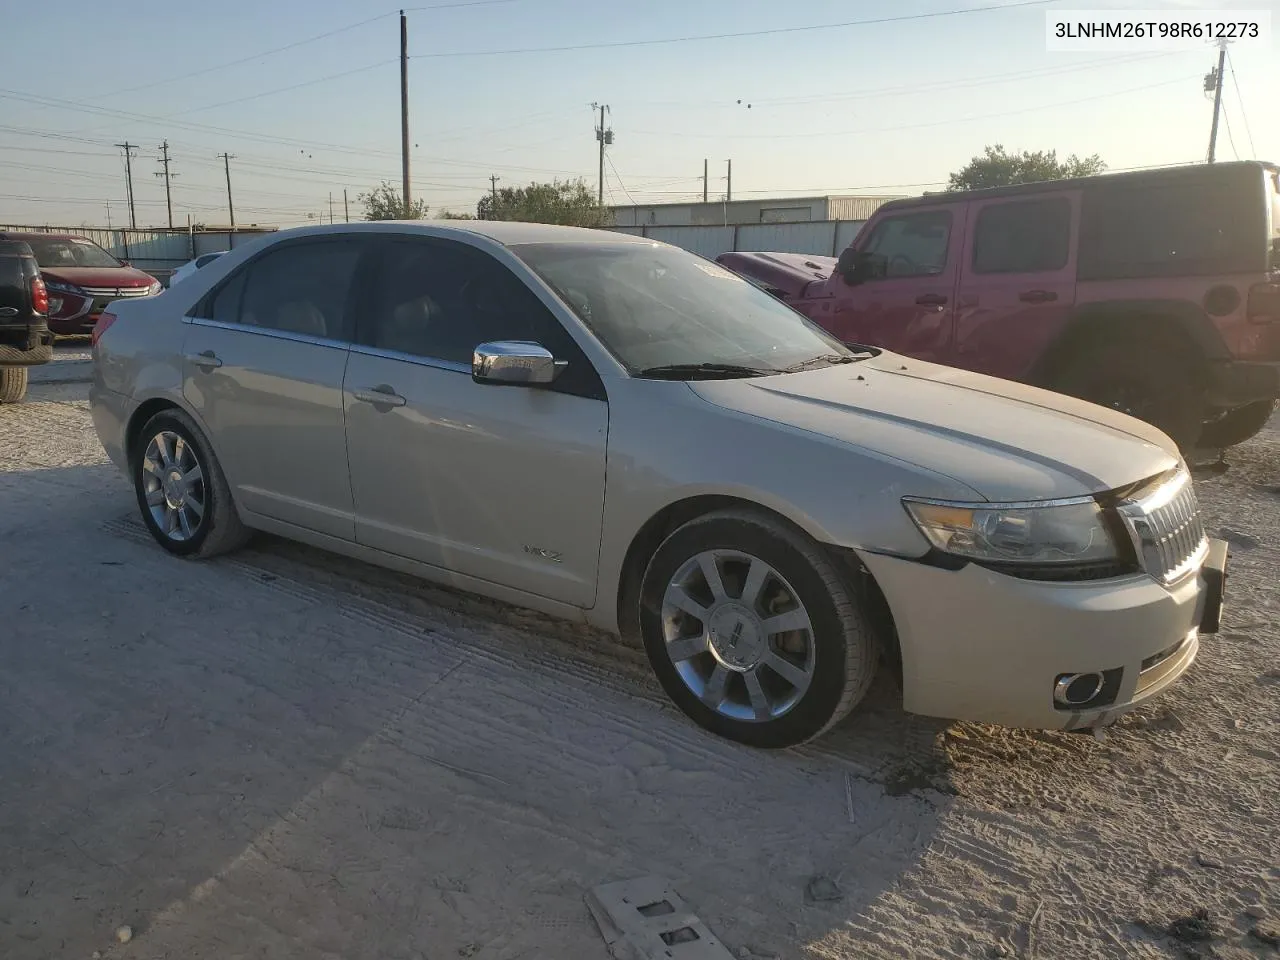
158,252
824,238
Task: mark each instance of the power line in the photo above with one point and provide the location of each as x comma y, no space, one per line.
617,175
909,126
1253,151
612,44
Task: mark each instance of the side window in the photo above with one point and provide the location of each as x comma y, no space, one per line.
1029,236
225,305
302,288
912,245
440,300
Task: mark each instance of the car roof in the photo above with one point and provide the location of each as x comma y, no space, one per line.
37,235
1187,172
506,232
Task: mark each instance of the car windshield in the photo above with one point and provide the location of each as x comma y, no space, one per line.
655,306
71,253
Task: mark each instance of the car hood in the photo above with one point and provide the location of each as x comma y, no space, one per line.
1004,440
98,276
787,273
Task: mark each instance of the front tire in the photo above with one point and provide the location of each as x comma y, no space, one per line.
753,631
13,384
182,493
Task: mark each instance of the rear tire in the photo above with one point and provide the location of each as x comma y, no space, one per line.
182,493
779,684
1149,383
13,384
1237,426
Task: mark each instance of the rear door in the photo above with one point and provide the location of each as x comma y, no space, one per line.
909,306
264,358
1017,282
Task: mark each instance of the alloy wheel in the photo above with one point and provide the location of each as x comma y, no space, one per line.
174,486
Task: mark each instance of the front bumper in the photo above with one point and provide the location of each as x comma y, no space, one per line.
982,646
1239,382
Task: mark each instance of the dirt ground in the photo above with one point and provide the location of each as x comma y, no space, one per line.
283,754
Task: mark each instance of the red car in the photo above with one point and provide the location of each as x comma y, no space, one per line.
82,279
1155,293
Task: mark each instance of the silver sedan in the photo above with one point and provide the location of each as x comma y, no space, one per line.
610,429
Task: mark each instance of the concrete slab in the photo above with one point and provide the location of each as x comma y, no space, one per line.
645,919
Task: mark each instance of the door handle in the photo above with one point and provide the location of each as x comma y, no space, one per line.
382,395
205,360
1037,296
932,300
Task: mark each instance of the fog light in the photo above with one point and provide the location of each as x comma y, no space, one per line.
1077,689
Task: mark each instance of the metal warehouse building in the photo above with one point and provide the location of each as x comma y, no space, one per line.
740,212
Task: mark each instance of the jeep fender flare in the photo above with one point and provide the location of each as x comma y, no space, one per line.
1177,325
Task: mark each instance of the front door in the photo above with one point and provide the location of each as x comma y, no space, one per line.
1017,282
501,483
908,305
264,358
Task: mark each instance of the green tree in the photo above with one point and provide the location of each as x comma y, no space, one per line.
384,203
998,168
450,215
568,202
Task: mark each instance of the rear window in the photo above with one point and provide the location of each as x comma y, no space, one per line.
1193,227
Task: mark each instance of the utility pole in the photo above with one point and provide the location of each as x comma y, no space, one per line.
728,183
404,110
704,180
108,214
346,210
493,192
605,137
168,197
1217,97
226,166
128,149
330,208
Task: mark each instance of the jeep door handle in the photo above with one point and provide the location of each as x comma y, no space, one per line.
1037,296
936,300
382,395
205,360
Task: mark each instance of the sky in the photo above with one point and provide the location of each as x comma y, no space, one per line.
305,98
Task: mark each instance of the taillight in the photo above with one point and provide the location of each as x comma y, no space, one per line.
105,320
1264,302
39,295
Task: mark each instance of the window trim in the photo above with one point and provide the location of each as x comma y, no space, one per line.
913,214
1059,199
200,312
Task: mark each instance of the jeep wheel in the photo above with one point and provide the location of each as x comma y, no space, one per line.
1145,382
13,384
1237,426
753,631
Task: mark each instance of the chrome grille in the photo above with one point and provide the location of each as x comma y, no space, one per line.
1166,529
115,293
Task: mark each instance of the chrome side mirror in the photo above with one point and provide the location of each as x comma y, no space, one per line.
514,362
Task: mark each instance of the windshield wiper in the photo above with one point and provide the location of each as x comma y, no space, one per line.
830,358
679,371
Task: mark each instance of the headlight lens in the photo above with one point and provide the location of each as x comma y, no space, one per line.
54,285
1070,532
156,287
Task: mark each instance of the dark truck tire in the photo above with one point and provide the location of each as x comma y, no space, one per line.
1237,426
1153,384
13,384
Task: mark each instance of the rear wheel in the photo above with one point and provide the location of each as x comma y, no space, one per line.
1148,383
13,384
753,631
183,496
1237,426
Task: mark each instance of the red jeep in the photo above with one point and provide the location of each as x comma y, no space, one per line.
82,279
1156,293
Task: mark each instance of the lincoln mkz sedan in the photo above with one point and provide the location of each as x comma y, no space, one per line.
609,429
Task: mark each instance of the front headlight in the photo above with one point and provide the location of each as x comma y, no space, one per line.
55,286
156,287
1056,532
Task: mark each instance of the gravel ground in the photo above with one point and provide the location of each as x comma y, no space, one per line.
285,754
